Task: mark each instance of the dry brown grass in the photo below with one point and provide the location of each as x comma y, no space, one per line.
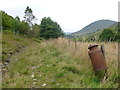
59,65
80,51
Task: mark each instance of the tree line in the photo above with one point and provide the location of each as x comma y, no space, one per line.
46,29
107,34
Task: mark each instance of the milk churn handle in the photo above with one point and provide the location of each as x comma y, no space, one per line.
103,50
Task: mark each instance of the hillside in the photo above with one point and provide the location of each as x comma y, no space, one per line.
67,33
114,26
93,27
12,44
96,34
55,64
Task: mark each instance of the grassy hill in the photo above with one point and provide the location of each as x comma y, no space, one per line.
95,35
93,27
113,27
55,64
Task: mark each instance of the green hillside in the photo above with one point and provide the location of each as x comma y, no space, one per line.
93,27
113,28
111,34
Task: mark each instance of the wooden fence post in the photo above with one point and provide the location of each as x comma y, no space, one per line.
102,49
75,44
69,41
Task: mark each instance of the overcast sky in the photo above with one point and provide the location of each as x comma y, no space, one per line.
72,15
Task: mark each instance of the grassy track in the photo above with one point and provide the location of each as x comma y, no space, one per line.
55,64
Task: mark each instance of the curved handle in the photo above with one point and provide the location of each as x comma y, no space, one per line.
102,49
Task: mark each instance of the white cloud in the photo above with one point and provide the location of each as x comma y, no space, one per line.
72,15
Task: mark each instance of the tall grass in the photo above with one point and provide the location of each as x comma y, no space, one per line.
55,63
0,59
12,43
80,51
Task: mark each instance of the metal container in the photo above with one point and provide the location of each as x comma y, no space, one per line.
97,58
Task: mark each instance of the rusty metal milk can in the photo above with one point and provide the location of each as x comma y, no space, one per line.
97,58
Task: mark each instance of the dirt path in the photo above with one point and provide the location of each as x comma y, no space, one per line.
13,56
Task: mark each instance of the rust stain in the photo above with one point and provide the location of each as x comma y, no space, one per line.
97,58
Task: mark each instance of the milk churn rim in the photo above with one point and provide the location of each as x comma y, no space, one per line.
91,46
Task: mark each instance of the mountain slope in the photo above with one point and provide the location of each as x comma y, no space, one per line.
114,26
93,27
67,33
96,34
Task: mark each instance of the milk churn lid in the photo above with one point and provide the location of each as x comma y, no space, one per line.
91,46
